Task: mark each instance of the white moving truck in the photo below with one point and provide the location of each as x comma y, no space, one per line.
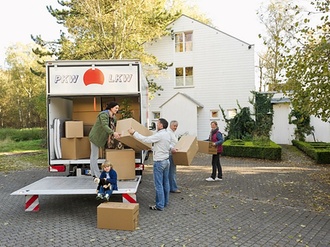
79,90
76,92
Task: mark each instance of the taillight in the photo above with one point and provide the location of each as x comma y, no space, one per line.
139,166
57,168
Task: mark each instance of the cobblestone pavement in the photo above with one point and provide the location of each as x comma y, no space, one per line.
258,203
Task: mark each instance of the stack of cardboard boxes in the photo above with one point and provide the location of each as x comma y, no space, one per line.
74,145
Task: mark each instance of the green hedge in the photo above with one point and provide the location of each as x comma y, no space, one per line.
271,151
22,134
319,151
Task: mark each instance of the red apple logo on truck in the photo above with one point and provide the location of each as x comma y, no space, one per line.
93,76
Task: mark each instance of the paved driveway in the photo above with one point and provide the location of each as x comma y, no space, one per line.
259,203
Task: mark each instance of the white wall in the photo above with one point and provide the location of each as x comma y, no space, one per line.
184,111
283,132
223,72
321,131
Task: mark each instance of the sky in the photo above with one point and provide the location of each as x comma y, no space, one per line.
21,18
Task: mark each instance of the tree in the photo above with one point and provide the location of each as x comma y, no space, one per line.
241,126
108,29
22,104
277,18
114,29
306,65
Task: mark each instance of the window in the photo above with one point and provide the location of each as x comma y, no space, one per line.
214,114
184,76
231,113
156,114
183,42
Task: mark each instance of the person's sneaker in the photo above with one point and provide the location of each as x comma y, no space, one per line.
107,197
210,179
218,179
155,208
175,191
99,197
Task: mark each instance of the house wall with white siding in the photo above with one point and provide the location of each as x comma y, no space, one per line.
223,73
186,125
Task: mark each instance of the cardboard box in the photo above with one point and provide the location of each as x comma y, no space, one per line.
206,147
123,162
130,141
102,153
187,149
87,104
118,216
75,148
87,129
88,117
74,129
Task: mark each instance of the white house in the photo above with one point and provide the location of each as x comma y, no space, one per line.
210,69
283,132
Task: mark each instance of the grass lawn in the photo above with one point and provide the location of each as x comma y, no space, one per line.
22,155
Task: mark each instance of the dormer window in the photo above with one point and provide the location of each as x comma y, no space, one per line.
183,41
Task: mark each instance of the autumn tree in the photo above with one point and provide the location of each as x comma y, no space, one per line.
22,103
108,29
306,65
114,29
277,18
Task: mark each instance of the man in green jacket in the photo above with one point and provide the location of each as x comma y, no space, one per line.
102,133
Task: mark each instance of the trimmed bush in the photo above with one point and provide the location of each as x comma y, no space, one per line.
319,151
233,148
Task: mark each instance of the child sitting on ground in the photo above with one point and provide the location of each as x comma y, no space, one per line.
107,182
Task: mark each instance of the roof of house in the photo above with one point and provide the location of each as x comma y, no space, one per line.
186,96
183,15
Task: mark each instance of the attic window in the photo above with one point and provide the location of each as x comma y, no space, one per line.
183,42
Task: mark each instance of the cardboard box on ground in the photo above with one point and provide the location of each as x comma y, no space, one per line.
118,216
123,162
122,128
187,149
206,147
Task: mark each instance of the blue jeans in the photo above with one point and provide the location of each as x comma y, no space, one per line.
172,175
104,192
161,182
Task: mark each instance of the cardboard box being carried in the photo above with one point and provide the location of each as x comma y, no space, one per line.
75,148
206,147
126,138
187,149
123,162
118,216
74,129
